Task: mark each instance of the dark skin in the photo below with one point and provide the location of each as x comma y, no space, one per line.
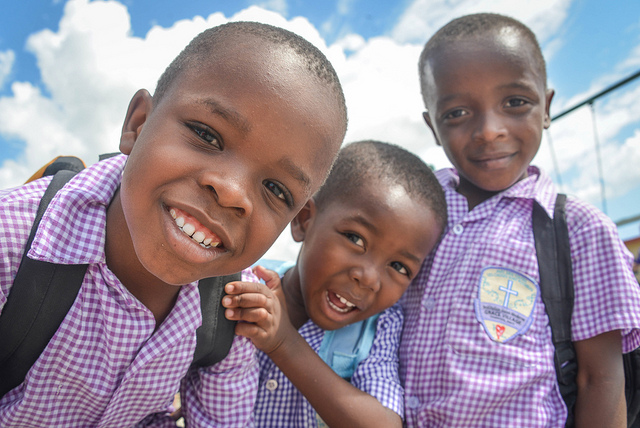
487,105
213,154
365,250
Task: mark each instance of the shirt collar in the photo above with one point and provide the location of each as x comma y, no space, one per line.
73,228
536,186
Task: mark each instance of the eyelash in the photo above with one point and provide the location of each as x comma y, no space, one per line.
406,272
521,102
451,115
357,237
206,135
279,191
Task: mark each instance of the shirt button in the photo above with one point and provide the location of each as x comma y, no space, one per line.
457,229
413,402
429,303
272,384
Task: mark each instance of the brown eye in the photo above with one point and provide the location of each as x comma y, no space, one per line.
278,191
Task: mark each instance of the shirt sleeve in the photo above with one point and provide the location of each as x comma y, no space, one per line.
224,394
607,295
377,375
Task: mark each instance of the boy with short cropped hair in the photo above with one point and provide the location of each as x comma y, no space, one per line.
364,236
484,86
208,180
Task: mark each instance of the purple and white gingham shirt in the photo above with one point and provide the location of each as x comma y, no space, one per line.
281,405
454,374
105,366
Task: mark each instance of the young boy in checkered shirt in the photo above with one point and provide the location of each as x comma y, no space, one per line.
483,82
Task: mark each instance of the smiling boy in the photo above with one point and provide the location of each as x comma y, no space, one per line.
484,87
364,236
241,131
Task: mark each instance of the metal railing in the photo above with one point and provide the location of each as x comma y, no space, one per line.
590,102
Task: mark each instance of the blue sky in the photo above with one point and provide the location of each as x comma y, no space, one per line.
69,68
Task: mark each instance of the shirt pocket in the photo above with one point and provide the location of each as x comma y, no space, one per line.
497,313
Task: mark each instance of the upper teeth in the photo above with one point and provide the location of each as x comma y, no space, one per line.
190,230
345,301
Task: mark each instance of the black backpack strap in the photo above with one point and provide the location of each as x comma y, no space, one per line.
215,335
556,287
31,316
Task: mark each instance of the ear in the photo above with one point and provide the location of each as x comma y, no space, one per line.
427,119
547,107
139,109
300,223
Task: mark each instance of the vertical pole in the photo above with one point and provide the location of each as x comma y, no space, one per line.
554,160
598,157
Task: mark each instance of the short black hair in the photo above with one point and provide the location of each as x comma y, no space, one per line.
369,160
205,44
477,24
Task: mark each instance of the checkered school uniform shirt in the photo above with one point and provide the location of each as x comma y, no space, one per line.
454,374
281,405
105,366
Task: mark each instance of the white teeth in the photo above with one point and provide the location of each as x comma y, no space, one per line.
188,229
335,308
345,301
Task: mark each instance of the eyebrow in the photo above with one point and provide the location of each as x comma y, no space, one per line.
230,115
289,166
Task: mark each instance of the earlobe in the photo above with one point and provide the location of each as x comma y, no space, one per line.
547,107
427,119
137,113
300,223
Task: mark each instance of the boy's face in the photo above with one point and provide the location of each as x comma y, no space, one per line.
359,256
487,106
229,155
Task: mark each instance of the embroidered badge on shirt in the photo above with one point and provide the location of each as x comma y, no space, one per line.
505,303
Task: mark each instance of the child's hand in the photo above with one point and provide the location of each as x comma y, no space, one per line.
261,308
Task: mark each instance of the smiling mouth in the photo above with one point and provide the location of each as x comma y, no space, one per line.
339,303
496,160
198,233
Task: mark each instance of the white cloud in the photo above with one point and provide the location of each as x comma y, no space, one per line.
424,17
6,64
92,65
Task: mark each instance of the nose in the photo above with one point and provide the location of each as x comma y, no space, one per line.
231,191
490,126
367,276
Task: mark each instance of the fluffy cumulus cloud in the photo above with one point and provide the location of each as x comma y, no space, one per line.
92,65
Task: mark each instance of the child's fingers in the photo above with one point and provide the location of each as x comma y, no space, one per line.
239,287
271,278
249,315
245,300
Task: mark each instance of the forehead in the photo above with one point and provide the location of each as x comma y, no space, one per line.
261,89
380,201
505,54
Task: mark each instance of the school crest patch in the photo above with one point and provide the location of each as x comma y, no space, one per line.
505,303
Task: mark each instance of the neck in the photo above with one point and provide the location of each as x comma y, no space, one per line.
293,296
157,296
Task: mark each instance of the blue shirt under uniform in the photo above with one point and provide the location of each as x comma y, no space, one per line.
280,404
